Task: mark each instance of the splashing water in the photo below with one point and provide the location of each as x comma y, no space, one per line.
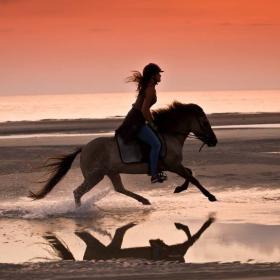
46,208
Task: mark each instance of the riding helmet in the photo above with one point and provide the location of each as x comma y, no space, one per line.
151,69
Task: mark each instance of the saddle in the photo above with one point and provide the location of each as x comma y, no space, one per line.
135,151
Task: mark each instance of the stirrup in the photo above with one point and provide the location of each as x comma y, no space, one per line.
163,175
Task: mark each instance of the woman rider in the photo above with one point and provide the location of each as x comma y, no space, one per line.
139,121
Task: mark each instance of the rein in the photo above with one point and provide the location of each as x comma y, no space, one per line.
192,136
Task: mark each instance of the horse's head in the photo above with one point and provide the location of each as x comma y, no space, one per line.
185,118
201,128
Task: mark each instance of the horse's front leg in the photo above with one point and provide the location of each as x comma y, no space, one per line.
185,185
195,182
119,187
185,229
117,240
185,173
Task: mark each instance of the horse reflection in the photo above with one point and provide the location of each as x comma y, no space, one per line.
157,250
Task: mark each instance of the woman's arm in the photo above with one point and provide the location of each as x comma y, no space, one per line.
149,97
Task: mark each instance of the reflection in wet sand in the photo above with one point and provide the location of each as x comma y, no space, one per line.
158,250
153,238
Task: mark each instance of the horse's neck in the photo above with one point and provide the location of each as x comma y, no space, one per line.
174,144
180,132
182,138
176,138
180,135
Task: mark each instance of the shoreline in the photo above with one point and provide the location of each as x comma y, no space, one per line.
128,269
110,124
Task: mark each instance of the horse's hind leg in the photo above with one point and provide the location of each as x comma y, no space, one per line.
86,186
119,187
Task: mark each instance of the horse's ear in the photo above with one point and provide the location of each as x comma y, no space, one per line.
176,104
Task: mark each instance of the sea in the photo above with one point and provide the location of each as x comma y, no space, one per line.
107,105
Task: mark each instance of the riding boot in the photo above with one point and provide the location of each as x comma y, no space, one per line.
162,174
158,178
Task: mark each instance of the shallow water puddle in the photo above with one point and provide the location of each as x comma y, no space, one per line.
195,241
111,226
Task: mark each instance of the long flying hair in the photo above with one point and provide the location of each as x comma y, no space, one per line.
140,80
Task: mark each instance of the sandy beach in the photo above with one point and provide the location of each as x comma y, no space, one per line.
234,238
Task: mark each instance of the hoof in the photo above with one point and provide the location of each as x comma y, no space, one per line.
78,204
128,226
77,200
146,202
212,198
180,226
179,189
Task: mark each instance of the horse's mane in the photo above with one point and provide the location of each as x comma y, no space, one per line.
166,118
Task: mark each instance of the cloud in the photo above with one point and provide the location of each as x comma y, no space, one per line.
226,23
6,30
5,2
253,24
100,29
260,24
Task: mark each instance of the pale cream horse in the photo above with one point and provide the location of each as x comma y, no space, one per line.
101,156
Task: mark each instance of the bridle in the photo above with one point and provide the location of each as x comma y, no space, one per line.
191,135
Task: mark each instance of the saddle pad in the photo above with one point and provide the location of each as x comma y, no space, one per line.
136,151
129,152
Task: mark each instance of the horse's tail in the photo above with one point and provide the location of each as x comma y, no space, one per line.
58,170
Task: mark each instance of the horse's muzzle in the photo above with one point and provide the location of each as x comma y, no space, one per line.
211,141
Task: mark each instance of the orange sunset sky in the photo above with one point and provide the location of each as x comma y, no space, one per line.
84,46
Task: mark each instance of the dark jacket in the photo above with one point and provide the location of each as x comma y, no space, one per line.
133,121
131,125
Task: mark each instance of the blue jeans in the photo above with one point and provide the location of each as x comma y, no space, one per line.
148,136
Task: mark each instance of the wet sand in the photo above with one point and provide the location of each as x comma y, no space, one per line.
242,242
137,269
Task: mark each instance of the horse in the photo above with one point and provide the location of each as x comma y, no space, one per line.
100,157
158,250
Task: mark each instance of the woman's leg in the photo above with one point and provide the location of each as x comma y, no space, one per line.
147,135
